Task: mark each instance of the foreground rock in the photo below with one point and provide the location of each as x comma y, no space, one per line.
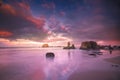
50,55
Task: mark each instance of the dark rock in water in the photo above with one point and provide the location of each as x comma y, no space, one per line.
115,65
92,54
50,54
89,45
66,47
69,46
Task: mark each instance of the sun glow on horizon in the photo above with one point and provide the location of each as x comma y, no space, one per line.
58,40
18,43
51,41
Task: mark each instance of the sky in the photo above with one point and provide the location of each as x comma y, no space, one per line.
35,22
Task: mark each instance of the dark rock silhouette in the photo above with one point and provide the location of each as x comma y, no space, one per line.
69,47
89,45
92,54
50,55
68,44
73,47
110,49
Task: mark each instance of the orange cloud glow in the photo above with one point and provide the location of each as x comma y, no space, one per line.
38,22
101,42
5,34
8,9
24,6
19,43
57,40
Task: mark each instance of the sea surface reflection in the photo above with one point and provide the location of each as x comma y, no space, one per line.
32,64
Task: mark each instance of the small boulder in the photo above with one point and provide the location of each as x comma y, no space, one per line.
50,54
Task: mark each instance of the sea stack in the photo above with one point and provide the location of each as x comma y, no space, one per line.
69,46
89,45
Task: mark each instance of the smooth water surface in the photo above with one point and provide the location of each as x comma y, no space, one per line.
32,64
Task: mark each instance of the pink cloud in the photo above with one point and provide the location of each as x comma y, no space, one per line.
7,9
111,42
17,18
24,6
38,22
53,22
65,27
98,10
19,9
5,33
93,2
62,13
23,10
49,5
99,17
57,38
26,12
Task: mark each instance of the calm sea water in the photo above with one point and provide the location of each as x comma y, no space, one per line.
32,64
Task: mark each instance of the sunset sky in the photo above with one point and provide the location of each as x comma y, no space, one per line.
34,22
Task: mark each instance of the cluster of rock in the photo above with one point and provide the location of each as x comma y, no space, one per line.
45,46
69,46
89,45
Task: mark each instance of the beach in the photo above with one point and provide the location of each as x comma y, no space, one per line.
32,64
114,60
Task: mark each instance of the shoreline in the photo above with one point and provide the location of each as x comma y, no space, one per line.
115,60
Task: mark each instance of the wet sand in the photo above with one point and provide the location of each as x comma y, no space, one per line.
95,75
115,60
101,74
32,64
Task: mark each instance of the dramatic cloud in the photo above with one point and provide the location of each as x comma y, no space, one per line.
49,5
17,21
38,20
5,34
